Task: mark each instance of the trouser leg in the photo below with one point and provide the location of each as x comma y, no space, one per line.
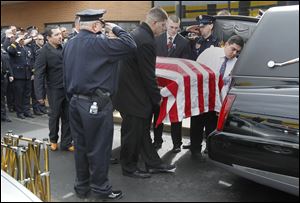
10,95
196,132
158,131
82,182
26,96
148,152
131,133
19,89
55,103
34,102
66,137
176,134
93,136
211,122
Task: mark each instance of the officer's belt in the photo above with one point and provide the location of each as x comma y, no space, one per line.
92,97
80,96
102,98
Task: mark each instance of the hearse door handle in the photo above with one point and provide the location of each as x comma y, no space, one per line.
272,64
277,149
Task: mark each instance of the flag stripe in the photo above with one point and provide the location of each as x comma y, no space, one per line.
199,85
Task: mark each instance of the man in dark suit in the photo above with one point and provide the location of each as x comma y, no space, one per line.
171,44
49,66
137,96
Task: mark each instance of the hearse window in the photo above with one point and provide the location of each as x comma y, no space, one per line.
276,38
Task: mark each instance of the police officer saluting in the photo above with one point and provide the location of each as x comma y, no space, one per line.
89,66
22,75
206,40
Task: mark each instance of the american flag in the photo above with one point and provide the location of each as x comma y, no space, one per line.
188,89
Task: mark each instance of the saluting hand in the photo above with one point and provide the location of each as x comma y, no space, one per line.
110,26
193,29
20,37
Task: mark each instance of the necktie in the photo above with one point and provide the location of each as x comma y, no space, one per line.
170,44
223,68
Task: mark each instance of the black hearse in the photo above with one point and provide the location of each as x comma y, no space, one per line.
257,136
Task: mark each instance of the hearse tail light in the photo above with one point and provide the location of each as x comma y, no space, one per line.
226,106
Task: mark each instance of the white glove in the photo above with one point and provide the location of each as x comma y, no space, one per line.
11,78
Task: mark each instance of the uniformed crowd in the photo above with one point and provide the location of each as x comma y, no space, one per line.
17,59
100,67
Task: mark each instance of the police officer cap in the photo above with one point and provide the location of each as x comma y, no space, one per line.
205,19
31,28
91,14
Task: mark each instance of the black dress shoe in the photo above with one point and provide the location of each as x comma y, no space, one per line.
162,168
137,174
6,120
37,112
82,195
114,195
188,146
29,115
176,150
21,116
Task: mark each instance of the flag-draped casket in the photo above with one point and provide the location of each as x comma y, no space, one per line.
188,89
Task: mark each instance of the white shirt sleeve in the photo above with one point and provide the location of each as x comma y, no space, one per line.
204,56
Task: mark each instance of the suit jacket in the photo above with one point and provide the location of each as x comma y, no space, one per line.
181,47
49,66
138,92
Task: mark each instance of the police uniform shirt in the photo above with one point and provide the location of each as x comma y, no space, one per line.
213,58
90,60
208,42
20,59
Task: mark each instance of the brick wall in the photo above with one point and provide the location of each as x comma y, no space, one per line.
40,12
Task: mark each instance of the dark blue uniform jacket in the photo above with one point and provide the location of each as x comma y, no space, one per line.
20,58
90,61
